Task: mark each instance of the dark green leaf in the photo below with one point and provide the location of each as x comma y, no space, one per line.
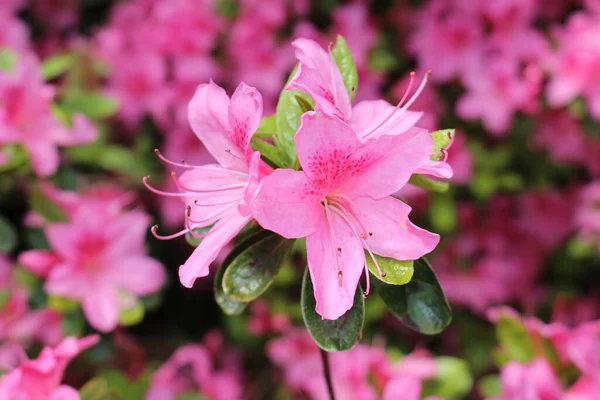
8,236
345,62
57,65
93,105
339,335
420,304
397,272
41,204
429,184
253,270
73,323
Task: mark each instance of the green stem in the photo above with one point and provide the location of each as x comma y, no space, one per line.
327,373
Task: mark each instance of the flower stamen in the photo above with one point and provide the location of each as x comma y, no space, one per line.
216,190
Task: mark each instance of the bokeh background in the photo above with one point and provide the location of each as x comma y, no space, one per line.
89,89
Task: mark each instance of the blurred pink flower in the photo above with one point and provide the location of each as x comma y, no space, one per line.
563,137
263,321
341,203
195,369
26,117
56,15
460,159
100,260
588,214
535,380
575,66
40,379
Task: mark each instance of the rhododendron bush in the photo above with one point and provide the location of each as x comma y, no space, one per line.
295,199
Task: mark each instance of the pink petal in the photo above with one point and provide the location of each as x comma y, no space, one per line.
319,76
245,112
127,234
44,156
101,308
368,115
63,239
439,169
207,113
334,297
283,205
138,274
64,392
403,387
222,233
40,262
393,233
65,280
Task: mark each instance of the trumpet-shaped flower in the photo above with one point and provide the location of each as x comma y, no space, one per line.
218,194
341,203
319,76
40,379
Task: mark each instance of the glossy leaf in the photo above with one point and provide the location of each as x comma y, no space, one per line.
441,140
339,335
345,62
420,304
287,121
41,204
397,272
8,236
429,184
255,267
57,65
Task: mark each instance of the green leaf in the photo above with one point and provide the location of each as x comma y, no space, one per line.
4,297
62,304
57,65
255,267
73,323
420,304
61,114
287,121
515,341
126,388
441,140
345,62
490,386
133,315
339,335
268,151
41,204
452,381
429,184
97,389
190,396
397,272
442,213
195,241
8,236
267,127
8,60
93,105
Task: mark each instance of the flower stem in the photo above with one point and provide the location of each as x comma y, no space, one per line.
327,373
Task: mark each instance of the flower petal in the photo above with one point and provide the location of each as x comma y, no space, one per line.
245,112
222,233
44,156
439,169
62,238
40,262
207,113
139,274
127,235
368,115
101,308
285,206
319,76
64,392
334,296
393,234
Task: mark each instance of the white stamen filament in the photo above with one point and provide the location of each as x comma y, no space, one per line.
169,237
216,190
208,219
184,164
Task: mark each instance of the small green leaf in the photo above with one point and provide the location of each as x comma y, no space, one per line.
287,120
420,304
441,140
343,58
97,389
93,105
126,388
397,272
8,236
429,184
268,151
339,335
8,60
515,341
453,379
132,315
442,213
61,114
304,104
62,304
57,65
253,270
490,386
267,127
4,297
190,396
73,323
41,204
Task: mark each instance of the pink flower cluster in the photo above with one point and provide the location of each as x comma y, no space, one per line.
98,257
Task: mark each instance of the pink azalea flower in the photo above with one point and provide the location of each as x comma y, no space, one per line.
193,369
319,76
99,260
460,159
563,137
588,214
40,379
26,117
535,380
13,32
340,202
263,321
218,194
56,15
574,68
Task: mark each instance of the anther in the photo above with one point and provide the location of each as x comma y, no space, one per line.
370,233
383,274
188,211
339,249
340,276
